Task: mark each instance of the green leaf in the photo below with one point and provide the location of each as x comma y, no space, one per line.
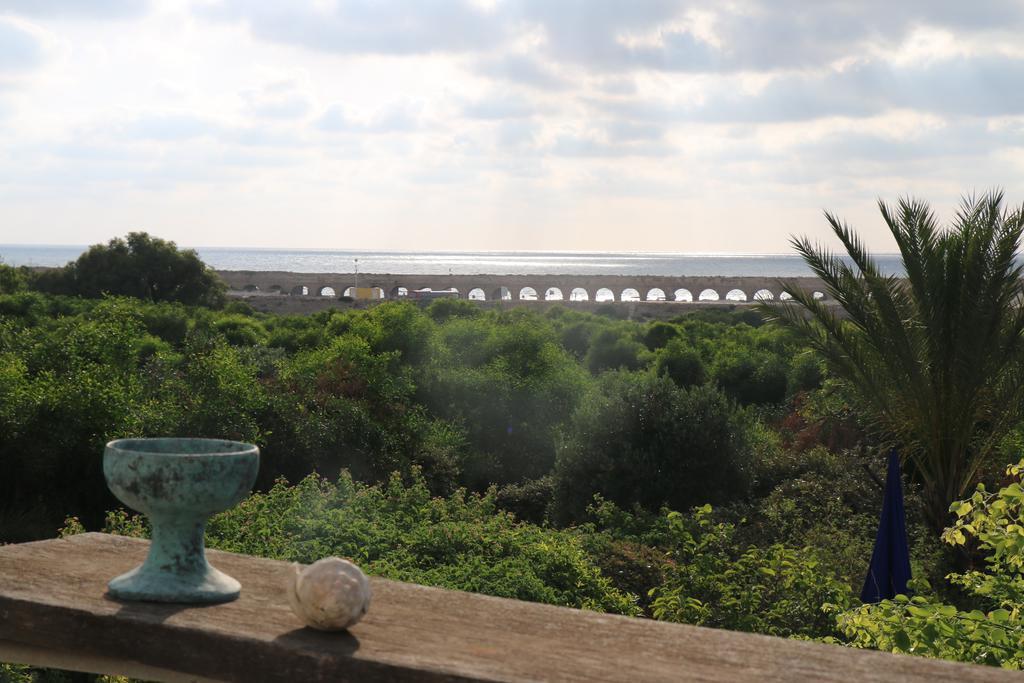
921,610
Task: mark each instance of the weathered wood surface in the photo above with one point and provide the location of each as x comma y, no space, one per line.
52,600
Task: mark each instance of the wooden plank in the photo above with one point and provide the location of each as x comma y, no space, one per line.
16,653
52,599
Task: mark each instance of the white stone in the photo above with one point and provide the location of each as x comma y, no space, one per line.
330,595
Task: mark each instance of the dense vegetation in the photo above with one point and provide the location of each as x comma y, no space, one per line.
140,266
707,469
471,398
933,362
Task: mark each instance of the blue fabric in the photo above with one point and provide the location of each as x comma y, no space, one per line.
890,561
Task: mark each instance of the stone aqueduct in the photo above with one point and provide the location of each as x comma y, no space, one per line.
525,287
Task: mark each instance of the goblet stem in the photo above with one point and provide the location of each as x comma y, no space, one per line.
178,547
176,570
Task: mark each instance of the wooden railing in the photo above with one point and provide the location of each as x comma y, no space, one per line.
54,612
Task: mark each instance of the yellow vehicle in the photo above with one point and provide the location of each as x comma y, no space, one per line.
361,293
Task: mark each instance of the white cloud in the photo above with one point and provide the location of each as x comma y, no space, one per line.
169,127
282,98
79,9
500,107
618,141
975,86
367,26
401,117
468,120
524,70
23,46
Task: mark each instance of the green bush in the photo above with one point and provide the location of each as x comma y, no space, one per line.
575,338
397,530
240,330
640,439
509,383
170,322
17,673
66,387
806,372
659,334
613,349
397,326
775,590
750,378
529,500
344,405
681,363
441,310
210,389
295,333
12,279
821,499
992,632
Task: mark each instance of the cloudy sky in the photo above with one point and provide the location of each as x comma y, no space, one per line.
623,125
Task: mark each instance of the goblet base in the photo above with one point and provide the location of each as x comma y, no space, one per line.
204,585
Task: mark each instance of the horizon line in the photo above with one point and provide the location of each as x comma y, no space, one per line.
451,251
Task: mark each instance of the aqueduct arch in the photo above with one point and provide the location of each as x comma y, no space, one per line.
573,288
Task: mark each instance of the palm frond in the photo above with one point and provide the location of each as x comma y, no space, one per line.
934,358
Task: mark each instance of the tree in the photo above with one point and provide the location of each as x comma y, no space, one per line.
12,279
614,348
507,379
639,439
140,266
681,363
930,361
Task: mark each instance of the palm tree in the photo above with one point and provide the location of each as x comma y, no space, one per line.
932,361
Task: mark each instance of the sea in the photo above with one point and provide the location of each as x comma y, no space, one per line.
465,262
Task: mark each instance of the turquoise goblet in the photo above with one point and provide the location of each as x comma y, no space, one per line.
178,484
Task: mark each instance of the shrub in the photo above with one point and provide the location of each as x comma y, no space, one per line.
659,334
528,500
681,363
640,439
168,321
344,405
775,590
240,330
12,279
511,385
993,632
442,310
294,333
750,378
397,326
806,373
79,373
397,530
612,349
576,336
